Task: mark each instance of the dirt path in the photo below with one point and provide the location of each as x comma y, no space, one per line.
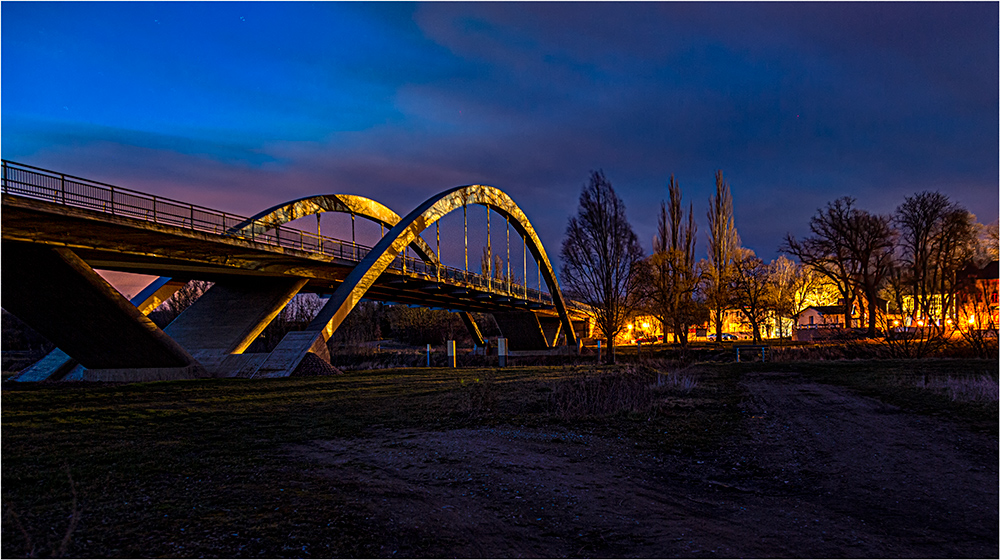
817,472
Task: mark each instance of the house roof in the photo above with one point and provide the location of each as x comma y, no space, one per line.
988,272
828,309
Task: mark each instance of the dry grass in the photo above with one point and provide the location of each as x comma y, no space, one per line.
195,468
979,388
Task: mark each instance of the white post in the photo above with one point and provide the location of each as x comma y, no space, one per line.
451,354
502,351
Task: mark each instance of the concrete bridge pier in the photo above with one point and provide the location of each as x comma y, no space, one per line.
61,297
552,327
522,330
474,332
58,365
224,321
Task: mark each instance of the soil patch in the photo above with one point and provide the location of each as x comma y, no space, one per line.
816,471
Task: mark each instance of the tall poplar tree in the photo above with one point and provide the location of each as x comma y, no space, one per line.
723,245
672,268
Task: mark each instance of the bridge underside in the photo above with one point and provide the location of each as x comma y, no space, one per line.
62,298
104,336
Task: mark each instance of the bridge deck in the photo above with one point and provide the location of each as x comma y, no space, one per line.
115,242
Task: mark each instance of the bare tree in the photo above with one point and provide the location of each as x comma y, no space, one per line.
602,258
493,267
723,245
181,300
751,289
828,251
871,240
987,243
796,287
673,277
937,239
786,279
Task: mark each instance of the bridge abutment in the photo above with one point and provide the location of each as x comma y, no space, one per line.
66,301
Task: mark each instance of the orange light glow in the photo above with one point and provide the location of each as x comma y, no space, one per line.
972,319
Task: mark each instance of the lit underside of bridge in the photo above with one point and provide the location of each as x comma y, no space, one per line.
56,229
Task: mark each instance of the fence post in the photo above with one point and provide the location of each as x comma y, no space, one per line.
452,359
598,351
428,355
502,351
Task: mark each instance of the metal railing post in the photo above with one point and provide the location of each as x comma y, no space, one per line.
62,188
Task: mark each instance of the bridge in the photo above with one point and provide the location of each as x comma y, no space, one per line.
57,229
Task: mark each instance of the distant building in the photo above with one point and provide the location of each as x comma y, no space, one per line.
833,316
977,298
821,316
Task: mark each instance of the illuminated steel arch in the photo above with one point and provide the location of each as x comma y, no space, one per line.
360,206
363,207
408,229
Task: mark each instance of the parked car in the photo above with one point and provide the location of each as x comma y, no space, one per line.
725,336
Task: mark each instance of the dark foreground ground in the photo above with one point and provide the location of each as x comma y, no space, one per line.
850,459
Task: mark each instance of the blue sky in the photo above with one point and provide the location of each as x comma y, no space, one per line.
240,106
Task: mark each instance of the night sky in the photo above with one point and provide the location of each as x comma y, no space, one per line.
242,106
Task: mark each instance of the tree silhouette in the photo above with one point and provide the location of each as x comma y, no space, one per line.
937,239
828,251
751,289
673,277
602,258
723,245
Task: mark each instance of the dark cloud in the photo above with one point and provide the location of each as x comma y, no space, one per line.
799,103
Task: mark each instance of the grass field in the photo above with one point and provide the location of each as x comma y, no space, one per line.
199,468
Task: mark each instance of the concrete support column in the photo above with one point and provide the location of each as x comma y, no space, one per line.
522,330
552,327
470,324
61,297
57,363
230,315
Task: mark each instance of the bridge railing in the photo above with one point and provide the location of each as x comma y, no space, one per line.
67,190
